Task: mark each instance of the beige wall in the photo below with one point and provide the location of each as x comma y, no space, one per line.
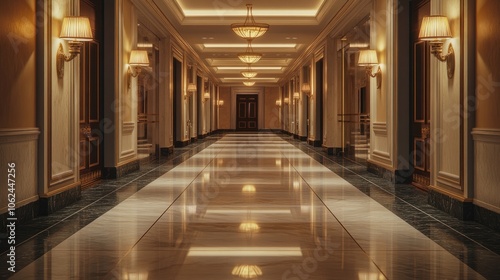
271,111
488,68
17,74
487,128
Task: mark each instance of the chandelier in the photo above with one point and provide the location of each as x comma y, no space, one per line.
249,83
249,29
247,271
249,56
249,73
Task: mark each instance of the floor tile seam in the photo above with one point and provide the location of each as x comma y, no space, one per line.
396,196
103,197
121,258
335,217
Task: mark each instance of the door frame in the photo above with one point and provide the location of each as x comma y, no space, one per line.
260,107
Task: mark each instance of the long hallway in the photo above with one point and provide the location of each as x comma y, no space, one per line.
255,206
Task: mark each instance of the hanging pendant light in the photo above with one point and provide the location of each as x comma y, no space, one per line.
249,29
249,83
249,56
249,73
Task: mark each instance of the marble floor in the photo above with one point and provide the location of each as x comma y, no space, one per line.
255,206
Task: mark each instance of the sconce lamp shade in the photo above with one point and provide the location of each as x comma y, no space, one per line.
286,100
434,28
206,95
367,58
220,102
278,103
76,29
296,95
306,88
138,58
191,87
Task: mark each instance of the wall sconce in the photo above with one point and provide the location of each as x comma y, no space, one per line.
137,60
296,95
76,30
191,87
278,103
368,58
436,29
206,96
306,88
220,103
286,100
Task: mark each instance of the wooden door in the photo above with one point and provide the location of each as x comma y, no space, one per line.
420,126
91,152
247,112
177,101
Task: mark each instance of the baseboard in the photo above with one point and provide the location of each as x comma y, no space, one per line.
166,151
180,144
50,204
314,143
24,213
487,217
331,151
395,176
463,210
116,172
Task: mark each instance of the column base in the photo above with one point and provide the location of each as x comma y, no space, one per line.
395,176
460,209
120,171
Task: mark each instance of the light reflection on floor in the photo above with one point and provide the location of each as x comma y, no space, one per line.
249,206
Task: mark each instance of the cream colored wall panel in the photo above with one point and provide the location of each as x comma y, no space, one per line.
487,169
445,106
127,95
19,146
128,139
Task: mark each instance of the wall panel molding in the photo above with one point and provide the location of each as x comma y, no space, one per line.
486,168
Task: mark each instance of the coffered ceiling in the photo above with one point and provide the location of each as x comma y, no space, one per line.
205,25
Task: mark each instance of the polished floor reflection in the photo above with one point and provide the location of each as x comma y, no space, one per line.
249,206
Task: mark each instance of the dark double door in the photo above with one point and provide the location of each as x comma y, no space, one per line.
247,112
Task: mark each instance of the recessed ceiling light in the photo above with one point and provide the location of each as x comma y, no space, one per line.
291,38
253,68
243,78
288,45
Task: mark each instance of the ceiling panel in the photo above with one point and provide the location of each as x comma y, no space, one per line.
205,25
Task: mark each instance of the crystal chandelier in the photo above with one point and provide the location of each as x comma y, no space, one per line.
249,56
249,83
247,271
249,29
249,73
